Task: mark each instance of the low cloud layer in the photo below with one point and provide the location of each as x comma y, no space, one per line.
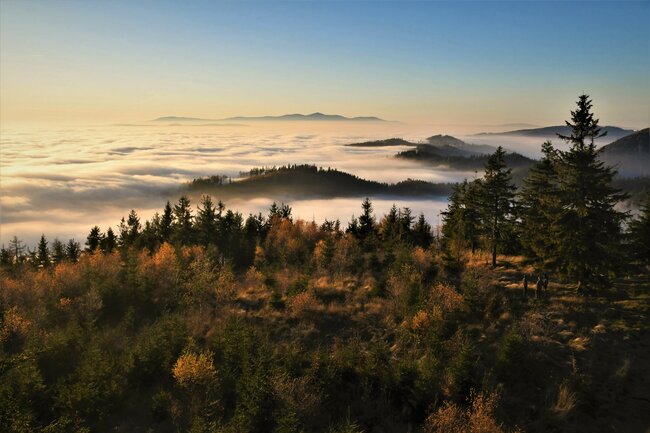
62,181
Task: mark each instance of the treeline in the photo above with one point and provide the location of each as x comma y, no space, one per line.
564,219
226,234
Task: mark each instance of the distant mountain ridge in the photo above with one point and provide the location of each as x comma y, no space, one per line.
320,117
311,117
551,132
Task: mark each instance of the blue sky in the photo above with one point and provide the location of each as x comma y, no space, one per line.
439,62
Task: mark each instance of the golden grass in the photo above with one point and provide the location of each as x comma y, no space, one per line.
565,401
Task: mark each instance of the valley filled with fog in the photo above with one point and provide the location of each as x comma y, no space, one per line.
62,180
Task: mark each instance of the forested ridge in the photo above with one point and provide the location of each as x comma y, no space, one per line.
201,319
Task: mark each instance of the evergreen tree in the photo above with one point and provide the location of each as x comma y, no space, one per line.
149,236
471,212
353,227
129,229
134,226
73,250
539,207
6,257
389,228
43,252
94,239
183,224
497,201
58,251
366,220
166,222
422,233
640,234
109,242
206,221
406,219
454,229
588,226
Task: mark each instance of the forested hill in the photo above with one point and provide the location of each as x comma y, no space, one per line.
630,154
310,181
446,156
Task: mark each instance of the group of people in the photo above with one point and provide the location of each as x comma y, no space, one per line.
540,287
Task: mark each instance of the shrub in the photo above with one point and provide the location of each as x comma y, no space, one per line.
194,369
477,418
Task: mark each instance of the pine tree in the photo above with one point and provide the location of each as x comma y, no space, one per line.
471,212
388,227
94,239
588,227
73,250
422,233
497,201
206,221
366,220
183,224
6,257
166,222
58,251
539,207
43,252
406,219
109,243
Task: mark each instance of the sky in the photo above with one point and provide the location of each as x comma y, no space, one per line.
433,62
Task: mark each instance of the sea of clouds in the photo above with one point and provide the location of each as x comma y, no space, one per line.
61,181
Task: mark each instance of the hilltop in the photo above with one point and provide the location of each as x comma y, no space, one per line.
310,181
459,155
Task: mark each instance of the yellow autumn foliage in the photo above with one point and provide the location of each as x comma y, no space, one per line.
194,369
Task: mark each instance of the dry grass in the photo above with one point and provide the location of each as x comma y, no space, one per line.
477,418
579,344
565,401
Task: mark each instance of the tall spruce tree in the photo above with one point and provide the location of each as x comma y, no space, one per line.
471,212
94,239
73,250
497,201
166,222
367,224
588,228
206,221
58,251
539,207
183,224
422,233
43,252
109,242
